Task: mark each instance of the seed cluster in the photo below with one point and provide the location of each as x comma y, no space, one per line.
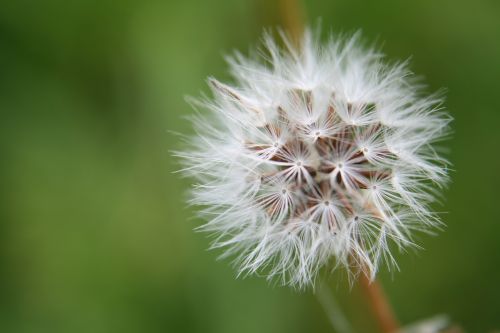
320,171
317,154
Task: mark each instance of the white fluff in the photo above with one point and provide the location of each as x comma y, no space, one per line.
318,154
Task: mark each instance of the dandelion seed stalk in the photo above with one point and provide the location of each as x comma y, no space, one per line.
293,18
379,304
317,155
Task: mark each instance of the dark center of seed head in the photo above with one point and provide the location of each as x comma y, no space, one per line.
299,163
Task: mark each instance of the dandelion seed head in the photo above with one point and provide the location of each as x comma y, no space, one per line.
316,155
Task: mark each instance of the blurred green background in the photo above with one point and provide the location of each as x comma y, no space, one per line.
94,233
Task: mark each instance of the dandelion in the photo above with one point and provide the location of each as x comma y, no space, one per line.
318,155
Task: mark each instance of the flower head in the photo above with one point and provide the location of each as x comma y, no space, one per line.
317,154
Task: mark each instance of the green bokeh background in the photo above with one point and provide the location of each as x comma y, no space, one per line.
95,235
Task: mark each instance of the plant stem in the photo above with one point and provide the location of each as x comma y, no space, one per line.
379,304
332,309
293,16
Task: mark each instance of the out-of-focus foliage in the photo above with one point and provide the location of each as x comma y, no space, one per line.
95,235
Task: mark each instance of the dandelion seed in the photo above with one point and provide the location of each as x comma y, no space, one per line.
316,155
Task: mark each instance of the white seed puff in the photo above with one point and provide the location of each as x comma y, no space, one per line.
318,154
